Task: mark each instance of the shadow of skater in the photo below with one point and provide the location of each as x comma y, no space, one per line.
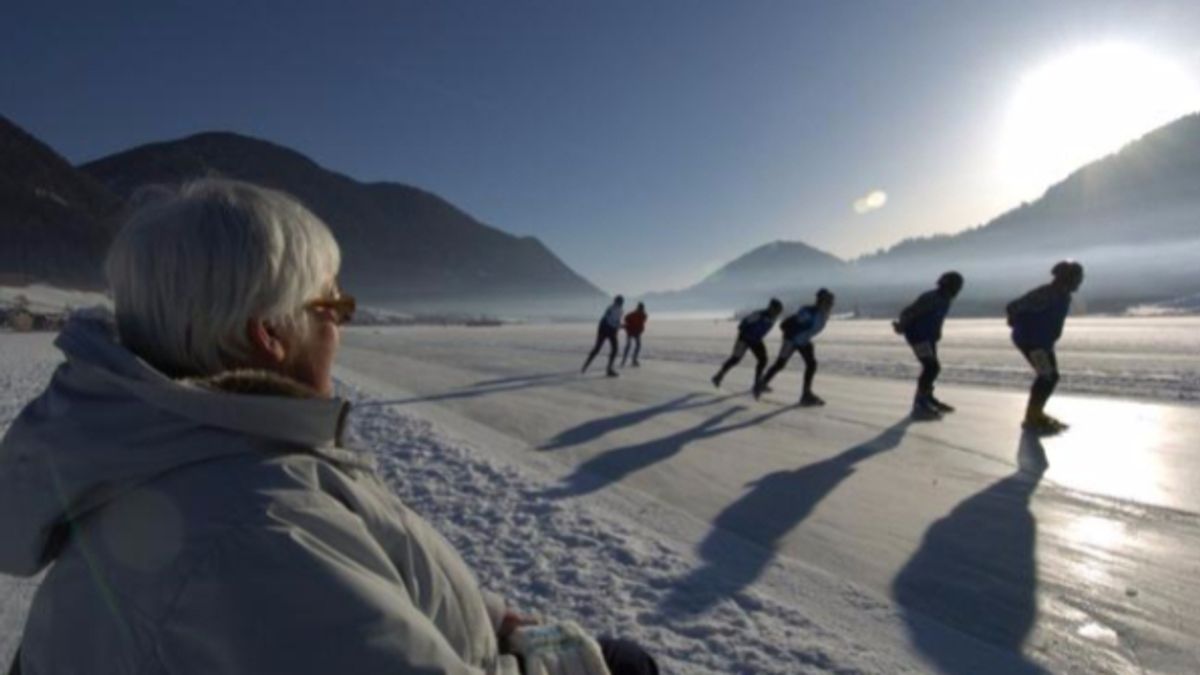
975,572
480,389
522,378
774,506
593,429
614,465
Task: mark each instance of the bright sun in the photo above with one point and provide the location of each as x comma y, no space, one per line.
1085,104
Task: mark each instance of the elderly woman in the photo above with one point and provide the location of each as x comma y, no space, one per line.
184,480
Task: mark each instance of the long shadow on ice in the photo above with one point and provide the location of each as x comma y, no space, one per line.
593,429
775,505
613,466
975,572
522,379
483,389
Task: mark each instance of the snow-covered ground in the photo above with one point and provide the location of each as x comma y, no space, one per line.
1188,304
734,536
48,298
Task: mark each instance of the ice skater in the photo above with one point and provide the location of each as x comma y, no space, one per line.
921,324
635,324
606,331
1037,320
751,331
799,330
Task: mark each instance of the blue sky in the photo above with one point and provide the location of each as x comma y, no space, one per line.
644,142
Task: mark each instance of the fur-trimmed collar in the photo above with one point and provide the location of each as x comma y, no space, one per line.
254,382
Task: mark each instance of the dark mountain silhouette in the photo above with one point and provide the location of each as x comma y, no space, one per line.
401,247
55,221
1132,218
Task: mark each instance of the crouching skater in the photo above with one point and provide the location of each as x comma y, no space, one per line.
752,329
921,324
1037,319
798,333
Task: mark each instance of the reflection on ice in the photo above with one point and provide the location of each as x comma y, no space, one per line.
1097,532
1109,448
1099,633
1099,536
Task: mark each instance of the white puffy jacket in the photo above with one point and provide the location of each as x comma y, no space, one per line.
220,527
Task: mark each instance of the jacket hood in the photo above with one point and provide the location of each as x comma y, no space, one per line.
109,422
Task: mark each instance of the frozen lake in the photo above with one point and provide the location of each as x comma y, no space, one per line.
1073,553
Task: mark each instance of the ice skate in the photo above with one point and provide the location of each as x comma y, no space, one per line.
924,409
811,400
942,407
716,380
612,373
1042,424
1054,421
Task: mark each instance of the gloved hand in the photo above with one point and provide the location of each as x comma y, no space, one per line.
896,327
557,649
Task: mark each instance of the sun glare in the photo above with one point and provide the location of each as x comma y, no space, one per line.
1086,104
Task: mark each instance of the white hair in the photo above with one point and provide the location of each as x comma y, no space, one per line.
193,265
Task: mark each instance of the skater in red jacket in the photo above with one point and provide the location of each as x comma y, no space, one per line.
635,324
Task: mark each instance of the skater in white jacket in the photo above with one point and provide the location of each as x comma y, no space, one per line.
606,331
798,333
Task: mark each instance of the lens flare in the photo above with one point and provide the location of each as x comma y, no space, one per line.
1085,104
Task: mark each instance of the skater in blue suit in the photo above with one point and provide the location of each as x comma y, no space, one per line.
1037,319
798,333
921,324
751,331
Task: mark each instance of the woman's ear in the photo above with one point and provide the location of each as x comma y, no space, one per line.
269,348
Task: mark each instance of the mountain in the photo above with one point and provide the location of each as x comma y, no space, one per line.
55,221
784,268
402,247
1132,218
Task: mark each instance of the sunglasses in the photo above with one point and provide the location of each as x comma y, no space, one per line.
341,305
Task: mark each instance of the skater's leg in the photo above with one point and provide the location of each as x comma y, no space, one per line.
810,366
935,369
612,349
1046,366
595,351
930,367
760,361
781,361
628,343
739,350
637,349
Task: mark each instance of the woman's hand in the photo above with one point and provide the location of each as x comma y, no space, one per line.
514,620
